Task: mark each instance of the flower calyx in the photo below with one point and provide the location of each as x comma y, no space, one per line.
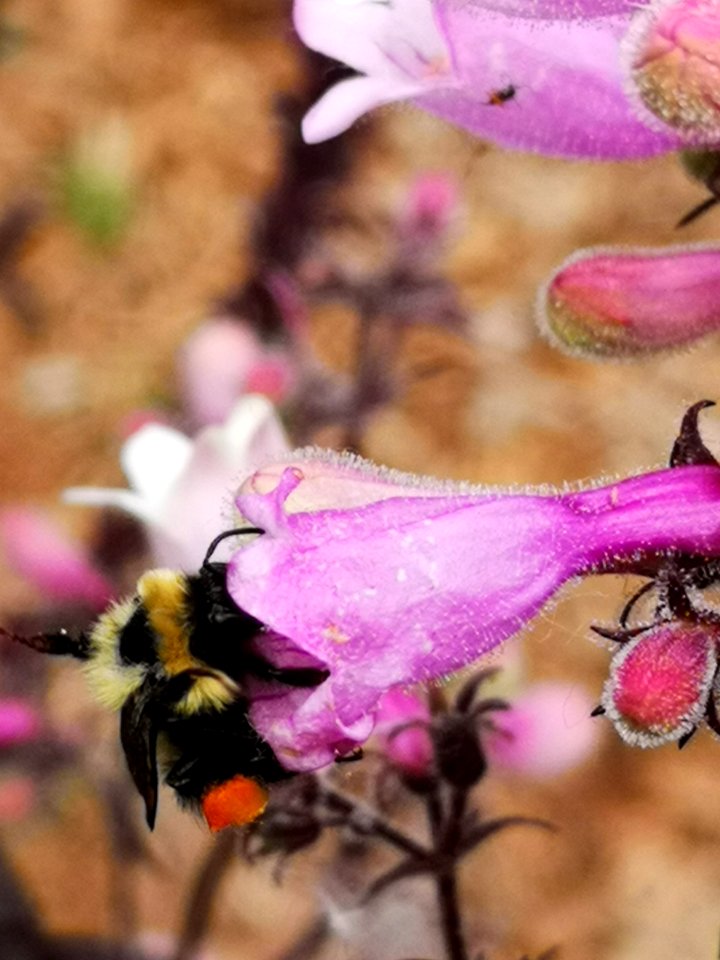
665,677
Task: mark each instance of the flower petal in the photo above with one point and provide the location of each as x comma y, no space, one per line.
374,37
569,90
546,9
348,100
213,367
303,726
153,459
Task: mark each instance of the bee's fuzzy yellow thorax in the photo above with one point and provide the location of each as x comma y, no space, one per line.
111,681
163,597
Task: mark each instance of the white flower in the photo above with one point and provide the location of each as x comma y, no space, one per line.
182,489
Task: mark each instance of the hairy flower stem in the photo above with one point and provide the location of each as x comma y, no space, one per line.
202,896
446,829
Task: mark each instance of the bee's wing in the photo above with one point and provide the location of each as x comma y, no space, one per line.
139,725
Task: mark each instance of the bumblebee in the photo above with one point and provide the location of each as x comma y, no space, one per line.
174,660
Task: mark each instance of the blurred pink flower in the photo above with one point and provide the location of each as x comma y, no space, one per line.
673,58
390,579
547,730
661,683
224,359
614,303
19,722
409,750
544,77
181,489
40,551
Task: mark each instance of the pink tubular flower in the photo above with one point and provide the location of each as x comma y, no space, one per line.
673,54
625,303
546,79
41,552
389,579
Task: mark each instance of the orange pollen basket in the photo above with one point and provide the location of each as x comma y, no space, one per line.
234,803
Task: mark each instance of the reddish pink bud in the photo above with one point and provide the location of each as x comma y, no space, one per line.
409,749
625,303
659,684
674,60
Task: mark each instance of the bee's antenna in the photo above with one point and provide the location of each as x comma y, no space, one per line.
61,644
238,531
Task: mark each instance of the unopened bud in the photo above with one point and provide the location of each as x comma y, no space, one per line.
659,683
615,303
402,729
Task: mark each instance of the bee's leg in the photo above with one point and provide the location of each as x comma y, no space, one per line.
181,777
290,676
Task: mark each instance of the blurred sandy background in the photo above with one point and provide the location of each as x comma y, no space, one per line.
634,872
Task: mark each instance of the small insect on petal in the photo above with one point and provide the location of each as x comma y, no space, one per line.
234,803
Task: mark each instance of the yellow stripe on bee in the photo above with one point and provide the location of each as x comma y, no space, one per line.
163,594
109,680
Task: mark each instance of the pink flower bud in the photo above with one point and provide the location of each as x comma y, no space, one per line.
410,750
615,303
674,60
659,686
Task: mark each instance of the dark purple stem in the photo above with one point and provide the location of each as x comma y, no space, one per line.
363,819
446,831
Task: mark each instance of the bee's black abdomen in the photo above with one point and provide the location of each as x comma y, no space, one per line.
214,747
